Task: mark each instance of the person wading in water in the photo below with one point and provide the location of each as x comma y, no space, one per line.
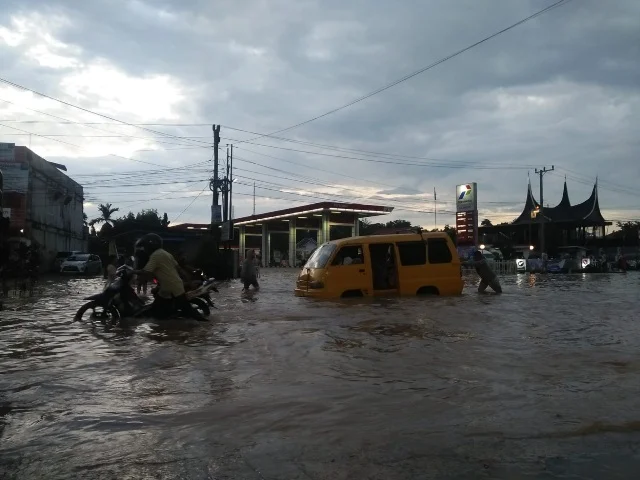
487,276
249,274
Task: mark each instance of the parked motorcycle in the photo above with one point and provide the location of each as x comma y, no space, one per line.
119,300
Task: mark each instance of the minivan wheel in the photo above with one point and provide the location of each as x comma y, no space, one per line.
428,291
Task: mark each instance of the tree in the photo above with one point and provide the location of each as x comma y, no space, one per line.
400,224
165,220
106,211
451,232
85,219
368,228
486,223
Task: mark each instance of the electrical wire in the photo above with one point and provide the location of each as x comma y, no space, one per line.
187,207
68,104
88,126
391,162
418,72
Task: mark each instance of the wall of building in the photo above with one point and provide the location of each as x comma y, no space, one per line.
49,210
55,207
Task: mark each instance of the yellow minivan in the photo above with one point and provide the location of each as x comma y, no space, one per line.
404,264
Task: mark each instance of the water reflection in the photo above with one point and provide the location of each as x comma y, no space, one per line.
539,381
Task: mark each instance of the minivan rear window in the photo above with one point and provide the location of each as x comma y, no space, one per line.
439,251
320,256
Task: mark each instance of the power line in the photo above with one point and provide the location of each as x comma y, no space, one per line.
432,165
418,72
363,152
76,146
187,207
27,89
84,125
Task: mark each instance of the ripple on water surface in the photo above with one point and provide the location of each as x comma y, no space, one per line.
540,382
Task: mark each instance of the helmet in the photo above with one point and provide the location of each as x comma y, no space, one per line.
145,246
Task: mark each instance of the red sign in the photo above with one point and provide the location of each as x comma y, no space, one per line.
466,227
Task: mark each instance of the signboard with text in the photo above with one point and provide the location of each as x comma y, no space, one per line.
467,214
466,197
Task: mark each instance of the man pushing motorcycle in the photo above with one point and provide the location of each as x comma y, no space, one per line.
156,262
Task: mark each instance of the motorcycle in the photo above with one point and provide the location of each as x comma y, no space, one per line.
200,295
119,300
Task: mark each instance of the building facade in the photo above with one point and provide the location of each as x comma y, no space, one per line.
564,224
275,236
42,204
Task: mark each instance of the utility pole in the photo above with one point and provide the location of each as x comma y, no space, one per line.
541,173
225,191
214,185
254,198
231,186
435,209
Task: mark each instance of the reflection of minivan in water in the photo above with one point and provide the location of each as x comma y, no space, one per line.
404,264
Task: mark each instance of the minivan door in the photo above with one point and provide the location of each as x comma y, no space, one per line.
349,272
384,268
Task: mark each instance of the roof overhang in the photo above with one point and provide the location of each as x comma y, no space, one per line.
315,210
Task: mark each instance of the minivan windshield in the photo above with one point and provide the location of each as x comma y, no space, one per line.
320,256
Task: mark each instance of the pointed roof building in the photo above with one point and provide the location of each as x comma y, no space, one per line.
586,213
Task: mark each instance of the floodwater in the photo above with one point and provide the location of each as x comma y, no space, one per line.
540,382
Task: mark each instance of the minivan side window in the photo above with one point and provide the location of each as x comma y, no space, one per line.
439,251
412,253
349,255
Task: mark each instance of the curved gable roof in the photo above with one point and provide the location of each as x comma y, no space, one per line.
530,204
587,212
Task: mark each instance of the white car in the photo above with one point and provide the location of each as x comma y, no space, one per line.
82,263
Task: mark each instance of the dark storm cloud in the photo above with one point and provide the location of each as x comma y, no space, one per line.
561,89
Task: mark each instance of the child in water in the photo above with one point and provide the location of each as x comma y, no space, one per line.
249,273
487,277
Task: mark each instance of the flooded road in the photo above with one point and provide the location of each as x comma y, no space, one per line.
540,382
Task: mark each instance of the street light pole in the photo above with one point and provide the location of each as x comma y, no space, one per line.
541,173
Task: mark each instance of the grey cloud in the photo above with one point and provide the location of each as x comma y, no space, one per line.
266,65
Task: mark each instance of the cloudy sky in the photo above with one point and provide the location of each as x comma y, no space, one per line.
562,89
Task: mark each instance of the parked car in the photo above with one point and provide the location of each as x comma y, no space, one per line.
82,263
61,257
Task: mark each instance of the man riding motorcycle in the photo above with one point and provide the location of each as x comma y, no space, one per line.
154,261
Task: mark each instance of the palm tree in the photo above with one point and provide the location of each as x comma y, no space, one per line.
106,211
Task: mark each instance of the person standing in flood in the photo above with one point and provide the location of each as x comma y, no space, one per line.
488,278
249,274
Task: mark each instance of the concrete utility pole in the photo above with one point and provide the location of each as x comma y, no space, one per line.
230,176
541,172
214,185
435,209
225,191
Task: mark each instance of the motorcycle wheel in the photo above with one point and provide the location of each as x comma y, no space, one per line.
109,315
200,305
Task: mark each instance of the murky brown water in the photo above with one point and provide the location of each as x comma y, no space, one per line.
541,382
